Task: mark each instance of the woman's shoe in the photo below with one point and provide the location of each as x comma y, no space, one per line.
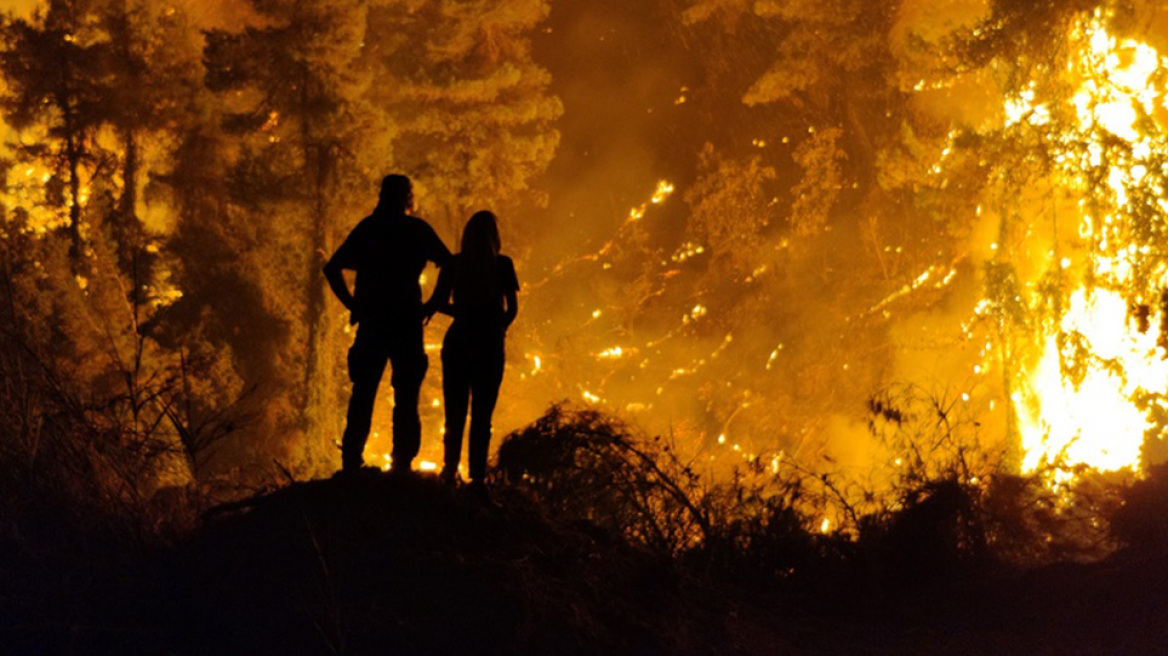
477,491
449,477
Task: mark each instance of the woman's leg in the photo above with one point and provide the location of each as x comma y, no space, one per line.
456,391
485,381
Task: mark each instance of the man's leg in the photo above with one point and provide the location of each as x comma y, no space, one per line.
408,357
366,365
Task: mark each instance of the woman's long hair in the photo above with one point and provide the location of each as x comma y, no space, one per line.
477,284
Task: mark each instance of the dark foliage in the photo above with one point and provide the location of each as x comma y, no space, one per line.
936,536
374,563
1141,522
584,466
75,536
946,514
377,564
1027,30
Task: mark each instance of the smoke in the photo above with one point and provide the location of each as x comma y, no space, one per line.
618,69
219,14
780,350
20,8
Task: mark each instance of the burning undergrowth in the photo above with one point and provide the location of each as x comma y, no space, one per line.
947,508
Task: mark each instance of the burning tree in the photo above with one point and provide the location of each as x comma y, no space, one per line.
1072,190
295,92
473,118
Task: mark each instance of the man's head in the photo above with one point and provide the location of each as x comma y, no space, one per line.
397,194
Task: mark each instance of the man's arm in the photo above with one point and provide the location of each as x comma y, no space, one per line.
439,254
344,258
440,299
336,281
510,292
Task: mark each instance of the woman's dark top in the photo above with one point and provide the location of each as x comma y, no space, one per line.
477,304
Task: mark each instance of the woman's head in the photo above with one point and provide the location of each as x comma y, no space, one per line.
476,284
481,235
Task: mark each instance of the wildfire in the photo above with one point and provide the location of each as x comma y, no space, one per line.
1086,399
1094,422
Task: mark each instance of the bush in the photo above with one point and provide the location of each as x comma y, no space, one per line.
583,466
1140,522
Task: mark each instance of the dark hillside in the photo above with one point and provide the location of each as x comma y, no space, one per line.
383,565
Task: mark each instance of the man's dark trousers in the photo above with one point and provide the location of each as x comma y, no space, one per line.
400,343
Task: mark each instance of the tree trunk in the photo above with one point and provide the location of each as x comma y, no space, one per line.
73,160
317,374
321,384
130,245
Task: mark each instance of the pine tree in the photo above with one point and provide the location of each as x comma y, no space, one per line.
54,97
473,117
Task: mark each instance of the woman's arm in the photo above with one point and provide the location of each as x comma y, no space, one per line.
510,285
512,308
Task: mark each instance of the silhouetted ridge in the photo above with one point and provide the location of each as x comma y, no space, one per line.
381,564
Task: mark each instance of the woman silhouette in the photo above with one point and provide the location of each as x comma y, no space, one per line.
478,288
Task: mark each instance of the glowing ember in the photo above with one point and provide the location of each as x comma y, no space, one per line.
611,353
423,465
664,191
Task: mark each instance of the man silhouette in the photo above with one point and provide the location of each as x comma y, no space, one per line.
388,250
